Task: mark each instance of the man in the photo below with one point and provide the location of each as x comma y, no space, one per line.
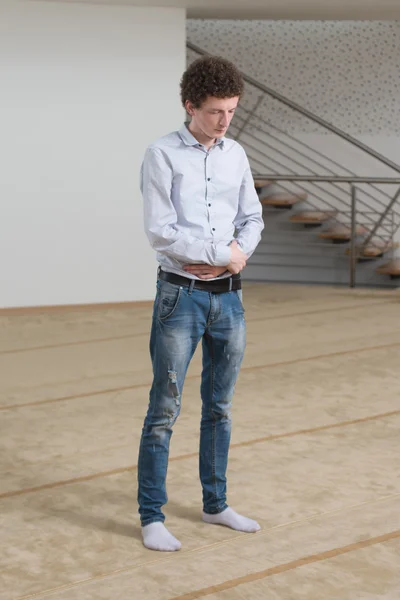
203,217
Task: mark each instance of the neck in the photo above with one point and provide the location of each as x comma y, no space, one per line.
201,137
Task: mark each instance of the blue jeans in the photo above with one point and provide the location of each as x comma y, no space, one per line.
182,318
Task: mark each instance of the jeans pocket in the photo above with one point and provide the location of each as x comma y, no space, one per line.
168,300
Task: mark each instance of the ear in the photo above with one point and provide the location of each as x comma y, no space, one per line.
189,108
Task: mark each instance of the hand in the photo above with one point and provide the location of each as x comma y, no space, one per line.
238,259
205,271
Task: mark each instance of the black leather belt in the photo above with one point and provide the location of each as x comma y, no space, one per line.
217,286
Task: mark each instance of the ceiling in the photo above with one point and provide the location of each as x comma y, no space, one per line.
273,9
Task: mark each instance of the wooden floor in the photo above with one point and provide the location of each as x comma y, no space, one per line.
314,457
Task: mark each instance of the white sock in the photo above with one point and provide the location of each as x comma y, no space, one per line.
157,537
232,519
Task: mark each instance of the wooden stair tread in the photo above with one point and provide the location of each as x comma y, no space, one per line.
341,232
259,183
312,216
371,251
374,249
390,268
282,200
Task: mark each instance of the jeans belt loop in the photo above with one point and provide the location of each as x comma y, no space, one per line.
191,286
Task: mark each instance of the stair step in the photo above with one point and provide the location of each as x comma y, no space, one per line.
391,268
341,232
313,217
283,201
373,250
260,183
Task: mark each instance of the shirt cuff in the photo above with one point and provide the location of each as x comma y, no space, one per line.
222,256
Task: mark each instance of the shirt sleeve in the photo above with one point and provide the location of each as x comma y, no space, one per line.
160,218
249,222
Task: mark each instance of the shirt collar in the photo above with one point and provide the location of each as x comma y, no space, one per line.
189,139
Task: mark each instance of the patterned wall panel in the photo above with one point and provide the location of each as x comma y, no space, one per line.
346,72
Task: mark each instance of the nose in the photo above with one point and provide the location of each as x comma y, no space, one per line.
224,122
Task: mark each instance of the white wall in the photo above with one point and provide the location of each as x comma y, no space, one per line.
85,88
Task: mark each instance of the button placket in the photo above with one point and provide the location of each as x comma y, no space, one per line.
208,192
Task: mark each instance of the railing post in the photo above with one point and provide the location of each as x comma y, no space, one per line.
382,218
393,228
353,251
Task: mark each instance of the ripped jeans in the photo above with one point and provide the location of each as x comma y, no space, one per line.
182,318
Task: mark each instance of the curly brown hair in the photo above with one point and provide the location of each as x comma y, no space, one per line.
210,76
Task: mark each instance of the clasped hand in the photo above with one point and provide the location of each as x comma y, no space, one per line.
237,263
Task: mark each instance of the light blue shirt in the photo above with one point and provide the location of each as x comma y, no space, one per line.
196,201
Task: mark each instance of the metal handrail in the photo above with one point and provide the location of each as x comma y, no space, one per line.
303,144
307,113
331,206
314,179
330,179
336,196
354,251
382,217
337,185
352,181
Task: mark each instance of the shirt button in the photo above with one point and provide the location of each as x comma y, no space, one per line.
213,228
209,179
209,205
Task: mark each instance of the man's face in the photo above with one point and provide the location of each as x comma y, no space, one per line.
213,118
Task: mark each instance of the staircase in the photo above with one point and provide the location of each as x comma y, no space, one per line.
303,244
331,204
314,250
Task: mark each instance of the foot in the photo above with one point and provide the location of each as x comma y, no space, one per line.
232,519
157,537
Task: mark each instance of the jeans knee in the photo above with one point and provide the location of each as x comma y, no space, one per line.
173,390
165,405
222,411
160,421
